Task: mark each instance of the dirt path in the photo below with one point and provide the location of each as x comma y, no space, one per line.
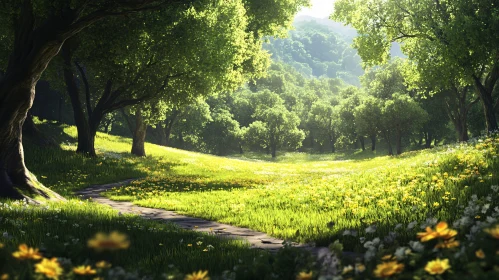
256,239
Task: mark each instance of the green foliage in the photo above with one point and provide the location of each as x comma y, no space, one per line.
315,50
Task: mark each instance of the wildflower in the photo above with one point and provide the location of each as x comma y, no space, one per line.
386,258
113,241
27,253
102,264
480,254
448,244
442,230
304,276
387,269
1,245
437,266
347,269
84,270
200,275
359,267
50,268
4,276
494,232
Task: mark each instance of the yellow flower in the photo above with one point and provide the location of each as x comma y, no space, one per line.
113,241
437,266
387,269
103,264
386,258
1,245
442,230
50,268
451,243
480,254
360,267
84,270
200,275
347,269
494,232
4,276
27,253
428,235
304,276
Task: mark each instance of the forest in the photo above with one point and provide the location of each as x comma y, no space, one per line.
362,145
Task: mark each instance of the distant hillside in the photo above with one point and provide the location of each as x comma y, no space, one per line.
321,47
315,49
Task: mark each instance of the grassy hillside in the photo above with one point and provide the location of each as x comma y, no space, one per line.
304,198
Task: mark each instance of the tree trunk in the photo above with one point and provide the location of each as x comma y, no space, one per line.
487,104
139,135
399,143
59,110
181,139
30,57
241,151
332,143
274,151
373,143
161,131
86,141
428,140
362,143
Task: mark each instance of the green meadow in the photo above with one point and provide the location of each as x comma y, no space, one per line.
299,198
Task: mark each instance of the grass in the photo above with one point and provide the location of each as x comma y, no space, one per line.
300,197
298,200
62,230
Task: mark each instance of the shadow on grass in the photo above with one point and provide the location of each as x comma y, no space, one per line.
62,230
65,171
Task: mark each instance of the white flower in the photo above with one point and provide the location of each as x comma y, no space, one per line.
416,246
346,232
398,226
401,253
371,229
495,188
370,254
362,239
411,225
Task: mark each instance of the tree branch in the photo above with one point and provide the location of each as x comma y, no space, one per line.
87,89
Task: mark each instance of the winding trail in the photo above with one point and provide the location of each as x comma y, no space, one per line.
257,240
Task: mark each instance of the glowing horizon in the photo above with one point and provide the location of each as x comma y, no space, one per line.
319,9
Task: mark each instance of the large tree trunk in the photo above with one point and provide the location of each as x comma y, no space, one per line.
373,142
29,59
139,135
485,93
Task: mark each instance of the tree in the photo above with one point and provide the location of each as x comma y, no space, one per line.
324,120
275,128
222,133
347,127
400,117
367,118
33,34
458,35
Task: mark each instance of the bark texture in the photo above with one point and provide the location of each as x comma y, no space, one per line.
139,135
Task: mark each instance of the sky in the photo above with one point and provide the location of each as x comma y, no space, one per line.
320,9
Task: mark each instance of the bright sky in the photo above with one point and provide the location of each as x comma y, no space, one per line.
320,8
